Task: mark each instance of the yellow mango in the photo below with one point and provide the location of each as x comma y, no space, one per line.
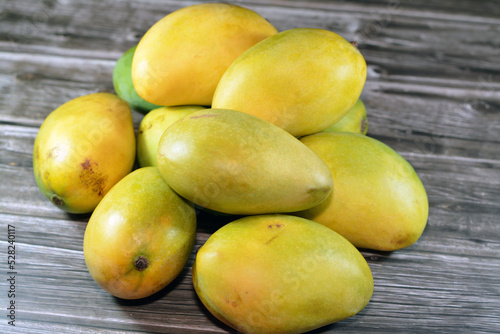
354,121
236,163
82,149
152,127
280,274
181,58
378,201
139,237
302,80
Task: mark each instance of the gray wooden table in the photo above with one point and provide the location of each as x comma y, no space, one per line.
432,93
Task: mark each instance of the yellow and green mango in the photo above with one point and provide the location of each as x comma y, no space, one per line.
378,201
354,121
152,127
82,149
301,79
139,237
181,58
232,162
280,274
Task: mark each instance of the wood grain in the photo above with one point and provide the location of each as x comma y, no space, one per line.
432,94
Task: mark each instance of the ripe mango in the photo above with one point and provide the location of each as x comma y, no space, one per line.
82,149
236,163
280,274
139,237
354,121
378,202
152,127
124,88
182,57
302,80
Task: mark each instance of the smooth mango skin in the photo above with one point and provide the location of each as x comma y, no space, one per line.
152,127
378,202
182,57
302,80
139,237
236,163
280,274
124,87
354,121
82,149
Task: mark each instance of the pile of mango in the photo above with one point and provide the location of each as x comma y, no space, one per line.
242,120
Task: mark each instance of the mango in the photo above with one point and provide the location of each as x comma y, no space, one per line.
236,163
152,127
280,274
181,58
124,87
354,121
140,236
82,149
378,202
301,79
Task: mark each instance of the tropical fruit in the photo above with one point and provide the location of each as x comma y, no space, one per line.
302,80
354,121
152,127
82,149
236,163
124,88
280,274
239,120
181,58
139,237
378,201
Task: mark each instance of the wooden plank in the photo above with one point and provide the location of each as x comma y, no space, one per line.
52,265
432,94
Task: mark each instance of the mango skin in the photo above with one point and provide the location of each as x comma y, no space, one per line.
82,149
354,121
302,80
140,223
152,127
181,58
123,85
280,274
378,202
236,163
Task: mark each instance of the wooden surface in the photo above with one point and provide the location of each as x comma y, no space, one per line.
432,93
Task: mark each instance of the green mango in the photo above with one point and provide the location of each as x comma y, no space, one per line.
140,236
378,202
280,274
354,121
152,127
236,163
82,149
302,80
124,88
